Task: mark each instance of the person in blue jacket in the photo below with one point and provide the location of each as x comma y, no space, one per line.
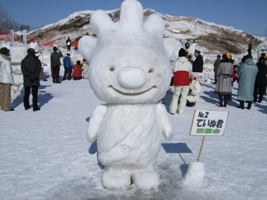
67,66
247,73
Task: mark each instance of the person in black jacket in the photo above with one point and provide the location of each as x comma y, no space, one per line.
31,67
68,44
260,82
198,63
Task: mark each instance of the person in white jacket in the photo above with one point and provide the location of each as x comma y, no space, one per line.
181,74
6,79
194,91
85,69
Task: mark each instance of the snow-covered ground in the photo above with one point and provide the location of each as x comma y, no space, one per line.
44,155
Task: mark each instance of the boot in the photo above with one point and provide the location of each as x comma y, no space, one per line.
225,100
221,100
260,98
241,105
249,105
255,95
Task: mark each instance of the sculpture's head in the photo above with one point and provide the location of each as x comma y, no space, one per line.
128,61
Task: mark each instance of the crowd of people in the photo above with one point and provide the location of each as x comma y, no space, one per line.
251,77
32,72
73,71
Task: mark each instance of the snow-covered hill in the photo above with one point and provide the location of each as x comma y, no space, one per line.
211,38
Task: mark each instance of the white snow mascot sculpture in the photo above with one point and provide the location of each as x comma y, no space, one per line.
130,71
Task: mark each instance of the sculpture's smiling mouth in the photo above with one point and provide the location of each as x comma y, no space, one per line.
132,94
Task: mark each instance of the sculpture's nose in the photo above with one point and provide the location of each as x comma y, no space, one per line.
131,77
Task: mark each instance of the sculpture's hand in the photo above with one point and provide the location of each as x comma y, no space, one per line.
164,121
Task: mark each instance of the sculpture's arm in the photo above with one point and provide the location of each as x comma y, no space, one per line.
95,122
163,119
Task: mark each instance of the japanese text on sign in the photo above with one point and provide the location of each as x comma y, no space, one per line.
209,122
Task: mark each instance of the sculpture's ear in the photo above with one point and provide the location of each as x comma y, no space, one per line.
171,47
86,46
192,50
101,22
154,24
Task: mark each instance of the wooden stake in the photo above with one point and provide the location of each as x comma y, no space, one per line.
201,148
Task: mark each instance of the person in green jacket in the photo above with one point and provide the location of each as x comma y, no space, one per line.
55,64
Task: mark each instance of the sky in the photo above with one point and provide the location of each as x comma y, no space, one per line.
244,15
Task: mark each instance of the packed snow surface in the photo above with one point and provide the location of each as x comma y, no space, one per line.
45,155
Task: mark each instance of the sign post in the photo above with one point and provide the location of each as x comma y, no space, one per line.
204,123
208,123
11,37
201,148
24,36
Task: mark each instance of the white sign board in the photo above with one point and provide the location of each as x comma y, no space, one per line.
24,36
208,69
199,76
11,37
207,122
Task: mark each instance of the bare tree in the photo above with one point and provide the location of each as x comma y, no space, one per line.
6,23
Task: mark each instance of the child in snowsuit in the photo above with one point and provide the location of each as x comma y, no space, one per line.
77,73
85,69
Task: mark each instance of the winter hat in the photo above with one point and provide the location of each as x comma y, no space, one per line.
197,51
31,51
228,55
261,60
182,53
248,56
218,56
4,51
193,76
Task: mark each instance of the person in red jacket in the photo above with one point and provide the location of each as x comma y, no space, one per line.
77,71
181,81
234,74
75,44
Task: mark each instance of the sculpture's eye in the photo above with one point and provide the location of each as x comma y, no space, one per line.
112,68
151,71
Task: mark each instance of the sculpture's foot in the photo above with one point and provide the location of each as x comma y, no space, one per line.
113,179
147,180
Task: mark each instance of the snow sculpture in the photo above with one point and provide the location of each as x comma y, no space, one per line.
173,46
130,71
